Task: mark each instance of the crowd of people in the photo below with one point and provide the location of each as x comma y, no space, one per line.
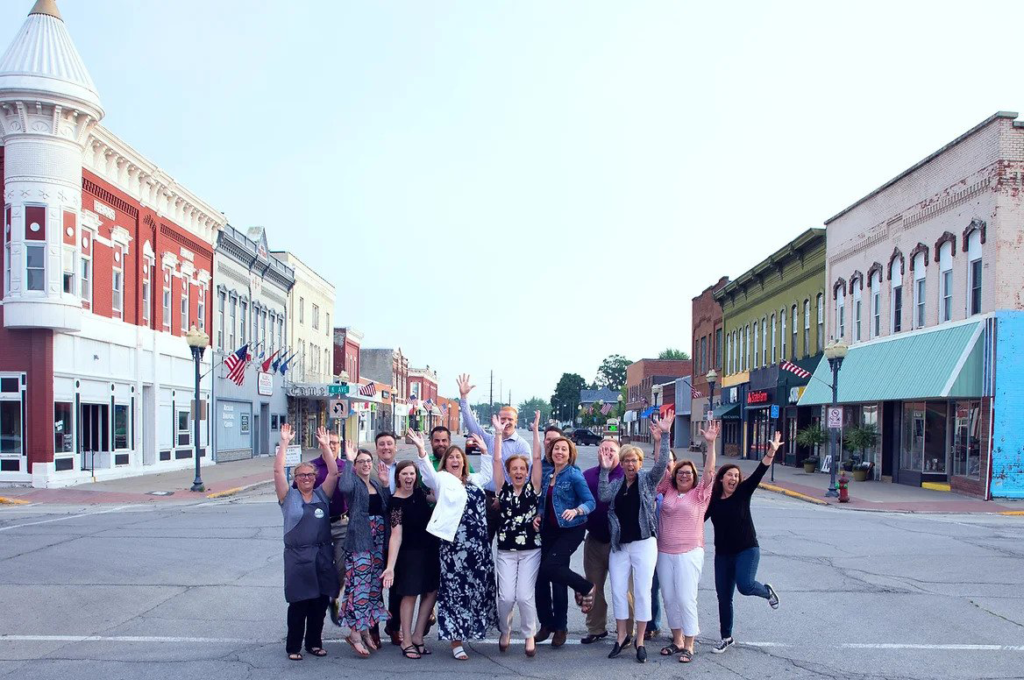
357,524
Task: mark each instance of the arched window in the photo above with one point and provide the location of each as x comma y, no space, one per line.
896,296
841,314
753,355
974,272
773,339
764,342
857,309
920,290
782,334
746,345
820,342
807,328
795,321
946,282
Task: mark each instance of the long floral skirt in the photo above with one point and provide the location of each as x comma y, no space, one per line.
364,605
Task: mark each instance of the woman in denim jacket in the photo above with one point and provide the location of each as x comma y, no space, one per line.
565,502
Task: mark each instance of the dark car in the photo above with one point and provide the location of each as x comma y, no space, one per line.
471,448
583,437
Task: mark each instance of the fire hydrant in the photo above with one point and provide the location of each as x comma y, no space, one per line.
844,488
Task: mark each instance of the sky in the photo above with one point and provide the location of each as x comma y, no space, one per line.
528,187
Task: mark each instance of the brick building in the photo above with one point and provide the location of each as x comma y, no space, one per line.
107,263
706,350
924,280
641,377
389,368
423,408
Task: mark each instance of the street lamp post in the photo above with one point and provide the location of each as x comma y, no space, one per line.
712,378
835,353
622,417
197,341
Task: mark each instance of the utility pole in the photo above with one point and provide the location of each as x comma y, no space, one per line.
490,398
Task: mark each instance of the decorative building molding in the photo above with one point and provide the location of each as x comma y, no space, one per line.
938,205
856,278
896,255
947,237
974,226
918,249
169,260
839,285
875,268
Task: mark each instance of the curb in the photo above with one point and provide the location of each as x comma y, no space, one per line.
4,500
227,493
793,494
1013,513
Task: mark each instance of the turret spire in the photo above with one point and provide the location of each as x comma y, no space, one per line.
47,7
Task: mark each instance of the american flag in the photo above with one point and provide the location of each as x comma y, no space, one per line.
368,390
794,369
695,393
236,363
605,409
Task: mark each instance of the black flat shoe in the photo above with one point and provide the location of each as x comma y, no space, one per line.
591,639
616,650
627,641
542,635
641,654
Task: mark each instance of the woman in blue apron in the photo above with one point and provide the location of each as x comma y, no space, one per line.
310,577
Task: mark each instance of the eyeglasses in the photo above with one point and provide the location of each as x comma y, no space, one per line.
365,461
686,473
305,475
335,444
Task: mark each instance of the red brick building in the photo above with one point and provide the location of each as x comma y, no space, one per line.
706,350
107,262
641,377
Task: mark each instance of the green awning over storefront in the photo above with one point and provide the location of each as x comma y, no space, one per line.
946,362
727,411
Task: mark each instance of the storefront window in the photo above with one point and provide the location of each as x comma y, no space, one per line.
120,426
923,448
63,427
969,438
183,435
10,427
869,418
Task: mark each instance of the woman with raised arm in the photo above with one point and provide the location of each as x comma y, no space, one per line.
736,550
518,540
367,497
466,595
309,574
633,526
565,502
685,499
413,569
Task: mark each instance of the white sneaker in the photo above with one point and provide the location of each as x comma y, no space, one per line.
725,644
773,597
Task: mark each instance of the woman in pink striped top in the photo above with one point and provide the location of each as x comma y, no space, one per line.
681,544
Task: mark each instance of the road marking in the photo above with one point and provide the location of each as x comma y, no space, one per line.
62,519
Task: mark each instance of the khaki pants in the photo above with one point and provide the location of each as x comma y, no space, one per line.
595,568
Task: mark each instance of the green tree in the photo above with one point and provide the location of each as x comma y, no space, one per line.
527,408
673,353
483,412
612,372
567,396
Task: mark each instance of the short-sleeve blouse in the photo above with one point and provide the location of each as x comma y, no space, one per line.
516,532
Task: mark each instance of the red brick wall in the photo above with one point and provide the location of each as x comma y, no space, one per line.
707,319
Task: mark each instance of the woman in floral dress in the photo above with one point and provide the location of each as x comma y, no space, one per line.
466,598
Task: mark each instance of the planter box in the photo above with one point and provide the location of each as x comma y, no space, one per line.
860,475
810,467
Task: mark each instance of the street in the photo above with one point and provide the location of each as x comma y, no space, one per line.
195,589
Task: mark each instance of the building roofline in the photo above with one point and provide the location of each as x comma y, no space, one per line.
778,256
985,123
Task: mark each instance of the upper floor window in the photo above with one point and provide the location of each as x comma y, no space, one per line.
117,285
795,320
69,267
184,304
718,349
974,273
764,342
876,304
857,307
232,323
316,317
302,310
328,325
7,249
820,340
201,309
221,303
896,296
753,356
773,340
945,282
841,314
807,328
782,333
745,346
242,306
35,248
147,290
166,302
920,288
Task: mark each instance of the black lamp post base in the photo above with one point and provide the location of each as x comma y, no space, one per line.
198,487
832,493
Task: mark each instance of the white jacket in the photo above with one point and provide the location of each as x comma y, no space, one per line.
451,494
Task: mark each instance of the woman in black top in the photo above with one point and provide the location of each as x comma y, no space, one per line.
413,569
736,549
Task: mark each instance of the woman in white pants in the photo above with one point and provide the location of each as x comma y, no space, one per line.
633,526
518,540
681,544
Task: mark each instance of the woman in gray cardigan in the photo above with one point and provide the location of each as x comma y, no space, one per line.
367,499
633,526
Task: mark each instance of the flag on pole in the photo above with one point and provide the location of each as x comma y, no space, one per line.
368,390
605,409
266,364
794,369
277,362
236,363
695,393
284,364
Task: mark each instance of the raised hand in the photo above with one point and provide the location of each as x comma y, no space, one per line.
382,474
536,421
607,458
350,451
287,434
323,439
464,387
496,423
417,440
665,424
711,432
775,444
479,441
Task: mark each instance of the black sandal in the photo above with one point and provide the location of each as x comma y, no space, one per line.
317,651
408,652
686,656
670,650
295,657
421,649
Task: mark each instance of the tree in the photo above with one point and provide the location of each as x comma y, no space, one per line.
673,353
483,412
567,396
532,404
612,372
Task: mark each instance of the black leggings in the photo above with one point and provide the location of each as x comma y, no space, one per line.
557,547
306,616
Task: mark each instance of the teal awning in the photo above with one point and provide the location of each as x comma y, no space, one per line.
944,362
727,411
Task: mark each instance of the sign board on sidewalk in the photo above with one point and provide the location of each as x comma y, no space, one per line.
835,417
293,455
775,411
826,463
338,408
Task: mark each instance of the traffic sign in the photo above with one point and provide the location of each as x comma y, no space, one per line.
337,390
775,411
835,417
338,408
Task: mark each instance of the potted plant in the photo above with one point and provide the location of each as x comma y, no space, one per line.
862,470
811,437
861,439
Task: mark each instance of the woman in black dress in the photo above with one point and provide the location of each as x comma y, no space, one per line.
413,569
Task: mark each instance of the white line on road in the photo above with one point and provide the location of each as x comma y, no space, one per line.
62,519
212,640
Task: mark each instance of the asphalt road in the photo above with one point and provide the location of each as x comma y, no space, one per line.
196,591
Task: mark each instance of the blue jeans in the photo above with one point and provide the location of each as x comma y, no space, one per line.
736,572
655,623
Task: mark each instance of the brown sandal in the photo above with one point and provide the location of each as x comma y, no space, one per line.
361,653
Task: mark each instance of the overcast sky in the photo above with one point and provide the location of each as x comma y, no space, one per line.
531,186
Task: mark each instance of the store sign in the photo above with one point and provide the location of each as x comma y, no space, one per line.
795,393
309,390
758,398
265,384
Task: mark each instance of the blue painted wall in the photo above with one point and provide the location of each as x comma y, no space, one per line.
1008,417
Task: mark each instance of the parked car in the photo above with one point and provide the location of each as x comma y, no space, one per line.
471,448
583,437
